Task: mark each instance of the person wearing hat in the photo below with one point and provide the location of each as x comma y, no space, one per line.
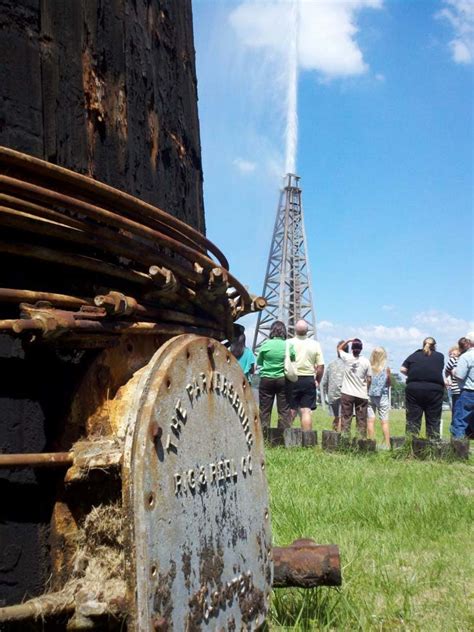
424,389
463,422
355,386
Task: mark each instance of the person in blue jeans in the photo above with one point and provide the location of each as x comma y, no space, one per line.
463,421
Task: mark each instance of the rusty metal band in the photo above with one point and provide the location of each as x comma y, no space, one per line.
114,243
75,261
100,191
107,217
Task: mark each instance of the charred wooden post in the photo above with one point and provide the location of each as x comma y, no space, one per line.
108,90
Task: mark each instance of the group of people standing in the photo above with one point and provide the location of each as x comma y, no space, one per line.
459,380
357,386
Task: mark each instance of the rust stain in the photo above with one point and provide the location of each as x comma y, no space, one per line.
117,107
181,149
163,598
186,559
153,134
62,542
94,91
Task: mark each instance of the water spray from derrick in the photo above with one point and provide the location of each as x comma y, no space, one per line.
287,285
292,90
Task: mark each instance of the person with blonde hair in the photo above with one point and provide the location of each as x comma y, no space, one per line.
425,389
379,394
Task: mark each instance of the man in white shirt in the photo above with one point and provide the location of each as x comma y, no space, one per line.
309,365
355,386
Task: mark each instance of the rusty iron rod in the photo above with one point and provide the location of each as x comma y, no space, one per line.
97,237
38,211
75,261
109,218
151,313
305,564
118,199
93,326
103,215
43,459
38,608
8,295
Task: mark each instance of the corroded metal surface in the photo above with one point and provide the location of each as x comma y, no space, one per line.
126,259
195,492
306,564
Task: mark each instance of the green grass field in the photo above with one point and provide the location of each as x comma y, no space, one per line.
404,528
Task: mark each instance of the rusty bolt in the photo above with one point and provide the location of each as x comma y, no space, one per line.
210,348
155,430
160,624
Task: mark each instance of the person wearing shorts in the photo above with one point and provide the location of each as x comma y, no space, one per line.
309,365
379,394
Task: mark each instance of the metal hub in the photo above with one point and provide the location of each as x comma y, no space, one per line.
195,493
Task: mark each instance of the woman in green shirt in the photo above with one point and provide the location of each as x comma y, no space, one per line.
271,360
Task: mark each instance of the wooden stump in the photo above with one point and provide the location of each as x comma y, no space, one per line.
331,440
292,437
309,438
421,448
365,445
441,449
460,448
273,436
397,442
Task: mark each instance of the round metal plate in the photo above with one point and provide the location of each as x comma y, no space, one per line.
196,493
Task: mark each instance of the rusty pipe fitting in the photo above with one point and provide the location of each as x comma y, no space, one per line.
116,303
163,278
258,303
305,564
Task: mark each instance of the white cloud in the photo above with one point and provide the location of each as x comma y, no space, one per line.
326,34
325,324
460,15
399,340
381,333
388,308
244,166
443,323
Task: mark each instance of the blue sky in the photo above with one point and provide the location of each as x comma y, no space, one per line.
385,153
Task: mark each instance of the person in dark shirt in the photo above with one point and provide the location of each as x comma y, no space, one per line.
425,389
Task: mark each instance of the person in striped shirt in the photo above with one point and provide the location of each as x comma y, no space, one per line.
458,424
452,384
